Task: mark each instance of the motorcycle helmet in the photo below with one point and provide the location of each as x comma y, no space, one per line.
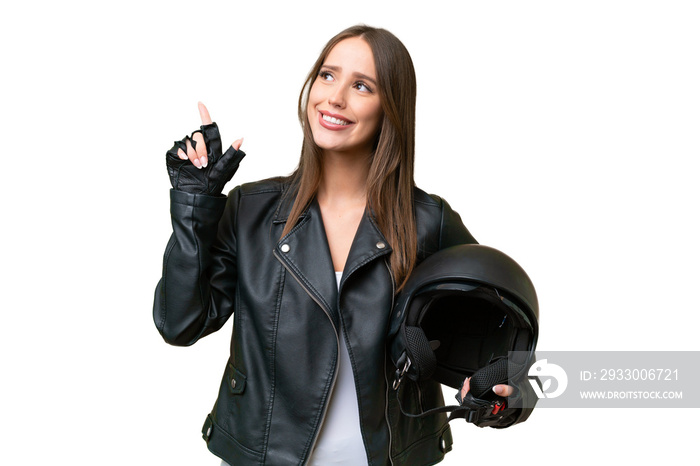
461,312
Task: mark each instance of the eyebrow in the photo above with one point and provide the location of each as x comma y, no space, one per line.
359,75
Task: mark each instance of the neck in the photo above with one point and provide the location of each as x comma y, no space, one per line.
344,178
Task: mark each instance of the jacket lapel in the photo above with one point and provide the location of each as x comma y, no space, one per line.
305,254
368,244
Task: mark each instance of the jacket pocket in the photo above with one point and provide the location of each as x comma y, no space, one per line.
239,411
235,380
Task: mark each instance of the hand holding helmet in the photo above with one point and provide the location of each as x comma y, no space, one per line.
501,390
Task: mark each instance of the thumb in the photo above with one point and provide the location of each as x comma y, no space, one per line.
465,388
237,143
224,169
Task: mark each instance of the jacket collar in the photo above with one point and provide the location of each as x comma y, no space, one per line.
305,253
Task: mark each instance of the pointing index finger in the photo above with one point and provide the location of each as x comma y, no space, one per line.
204,114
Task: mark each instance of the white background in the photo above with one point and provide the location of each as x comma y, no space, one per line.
565,133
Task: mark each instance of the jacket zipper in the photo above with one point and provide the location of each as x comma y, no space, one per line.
386,400
337,341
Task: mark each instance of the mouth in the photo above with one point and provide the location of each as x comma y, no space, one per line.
333,120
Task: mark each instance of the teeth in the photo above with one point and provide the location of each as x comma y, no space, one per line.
335,121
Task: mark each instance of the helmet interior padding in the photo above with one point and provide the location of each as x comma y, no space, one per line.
472,329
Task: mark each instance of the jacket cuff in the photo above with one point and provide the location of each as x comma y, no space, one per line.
197,200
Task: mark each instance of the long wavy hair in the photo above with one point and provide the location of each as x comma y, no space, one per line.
390,183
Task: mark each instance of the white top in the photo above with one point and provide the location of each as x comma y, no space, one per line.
340,440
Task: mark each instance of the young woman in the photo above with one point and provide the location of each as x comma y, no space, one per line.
309,265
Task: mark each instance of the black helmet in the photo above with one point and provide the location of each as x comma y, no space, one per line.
460,313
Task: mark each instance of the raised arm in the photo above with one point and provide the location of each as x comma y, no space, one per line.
196,292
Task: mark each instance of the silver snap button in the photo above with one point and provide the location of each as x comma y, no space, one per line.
381,245
442,444
209,432
284,248
233,383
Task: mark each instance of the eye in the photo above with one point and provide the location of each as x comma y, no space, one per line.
361,86
325,75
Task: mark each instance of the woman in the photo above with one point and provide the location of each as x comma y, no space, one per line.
306,382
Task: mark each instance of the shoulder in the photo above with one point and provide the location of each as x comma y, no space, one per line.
256,202
272,186
431,202
439,226
430,208
267,190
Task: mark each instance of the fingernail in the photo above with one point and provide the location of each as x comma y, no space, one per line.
498,390
203,161
197,163
182,156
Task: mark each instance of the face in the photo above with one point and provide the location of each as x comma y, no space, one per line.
344,109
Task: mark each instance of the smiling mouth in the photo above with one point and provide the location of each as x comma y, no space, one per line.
335,121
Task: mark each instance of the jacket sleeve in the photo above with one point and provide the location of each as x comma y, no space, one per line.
195,296
452,233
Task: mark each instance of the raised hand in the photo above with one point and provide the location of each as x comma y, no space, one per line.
196,164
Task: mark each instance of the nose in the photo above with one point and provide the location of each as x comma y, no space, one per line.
336,98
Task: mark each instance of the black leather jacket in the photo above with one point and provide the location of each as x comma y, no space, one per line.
226,255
